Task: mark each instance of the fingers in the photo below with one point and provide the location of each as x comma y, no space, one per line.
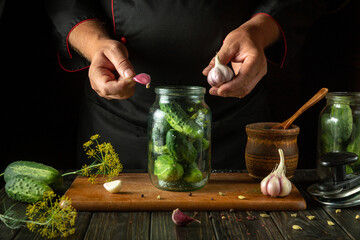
227,52
103,81
249,74
118,56
103,74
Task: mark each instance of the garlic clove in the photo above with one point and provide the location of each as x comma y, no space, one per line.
273,187
264,183
181,219
113,186
143,78
285,186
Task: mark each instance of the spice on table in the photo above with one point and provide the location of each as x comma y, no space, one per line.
296,227
293,215
264,215
222,194
241,197
190,194
250,218
338,211
310,217
330,223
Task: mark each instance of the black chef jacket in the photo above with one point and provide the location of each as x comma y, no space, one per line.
173,41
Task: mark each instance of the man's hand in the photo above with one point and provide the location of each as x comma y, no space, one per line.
244,48
110,71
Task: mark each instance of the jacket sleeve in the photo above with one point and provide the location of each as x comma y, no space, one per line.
294,18
65,16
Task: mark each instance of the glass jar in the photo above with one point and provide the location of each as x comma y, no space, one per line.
179,130
339,129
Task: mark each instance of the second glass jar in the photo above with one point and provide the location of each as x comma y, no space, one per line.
339,129
179,130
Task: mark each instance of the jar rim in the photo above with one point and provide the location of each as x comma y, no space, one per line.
344,97
355,95
180,90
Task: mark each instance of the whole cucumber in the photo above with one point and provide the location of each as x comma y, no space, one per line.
37,171
26,189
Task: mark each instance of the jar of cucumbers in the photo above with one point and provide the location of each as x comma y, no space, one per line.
339,128
179,129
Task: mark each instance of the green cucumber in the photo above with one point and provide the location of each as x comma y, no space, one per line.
26,189
34,170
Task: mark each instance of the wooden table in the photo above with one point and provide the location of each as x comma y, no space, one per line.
214,225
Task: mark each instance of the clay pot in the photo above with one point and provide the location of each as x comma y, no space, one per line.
261,153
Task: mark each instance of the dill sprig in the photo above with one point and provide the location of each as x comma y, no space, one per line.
51,217
105,160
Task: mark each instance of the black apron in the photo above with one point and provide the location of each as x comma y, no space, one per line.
172,41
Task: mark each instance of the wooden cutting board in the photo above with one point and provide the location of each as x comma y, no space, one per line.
88,197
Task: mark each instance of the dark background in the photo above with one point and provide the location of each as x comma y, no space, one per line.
40,101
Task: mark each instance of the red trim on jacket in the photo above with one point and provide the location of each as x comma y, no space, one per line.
67,70
113,16
283,35
67,37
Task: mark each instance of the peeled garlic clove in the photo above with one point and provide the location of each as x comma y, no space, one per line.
219,74
143,78
181,219
113,187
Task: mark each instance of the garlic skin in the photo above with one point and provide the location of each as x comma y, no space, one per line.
143,78
276,183
219,74
181,219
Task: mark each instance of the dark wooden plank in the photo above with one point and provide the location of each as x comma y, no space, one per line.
317,228
346,220
243,225
162,227
119,225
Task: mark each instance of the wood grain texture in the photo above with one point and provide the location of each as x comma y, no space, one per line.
88,197
119,225
162,227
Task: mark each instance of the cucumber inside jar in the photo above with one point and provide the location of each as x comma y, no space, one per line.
180,140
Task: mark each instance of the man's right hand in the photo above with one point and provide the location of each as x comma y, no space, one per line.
110,71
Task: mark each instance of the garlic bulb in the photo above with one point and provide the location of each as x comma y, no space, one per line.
219,74
276,183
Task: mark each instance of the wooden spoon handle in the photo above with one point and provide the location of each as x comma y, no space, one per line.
317,97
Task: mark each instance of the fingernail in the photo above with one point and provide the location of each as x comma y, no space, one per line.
128,73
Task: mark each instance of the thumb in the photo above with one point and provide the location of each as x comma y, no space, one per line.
225,55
